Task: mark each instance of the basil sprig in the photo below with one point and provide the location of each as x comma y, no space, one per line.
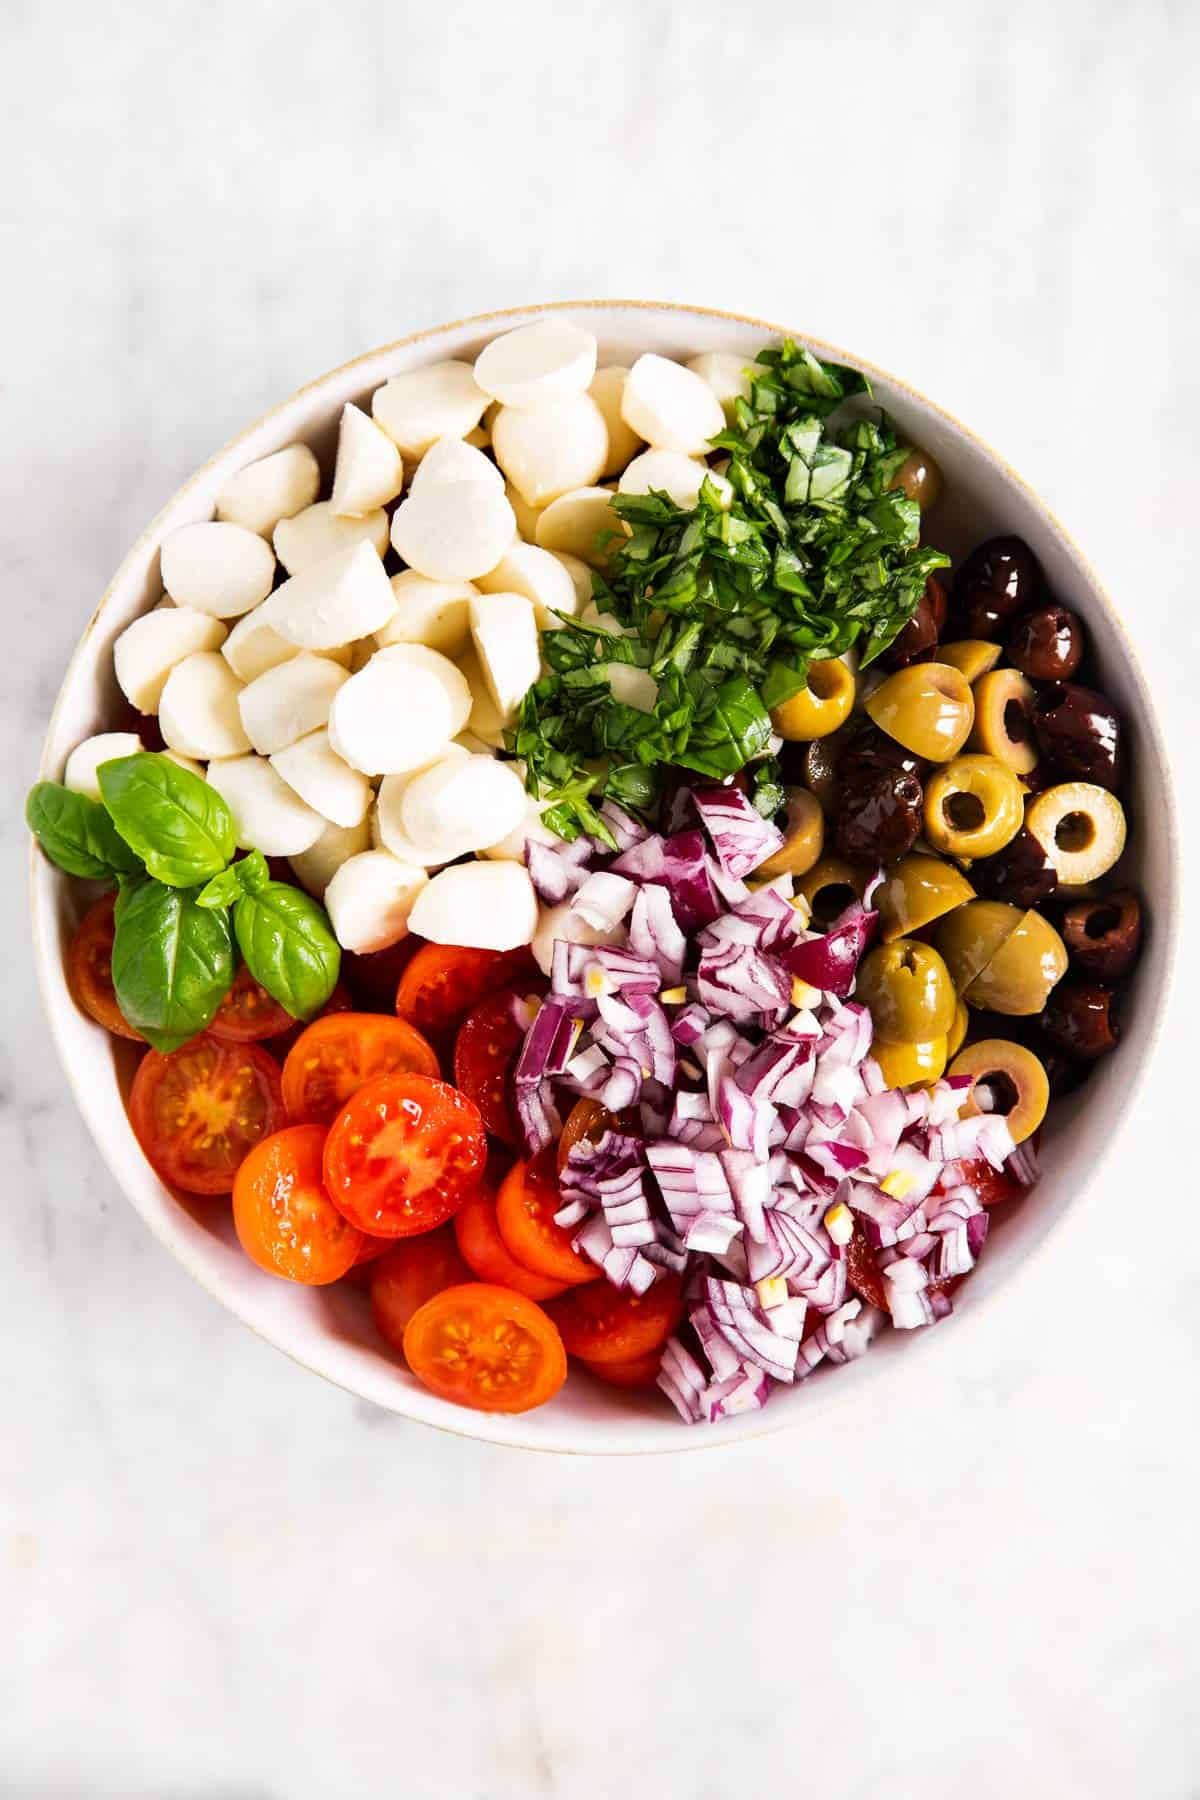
288,947
77,834
172,961
176,822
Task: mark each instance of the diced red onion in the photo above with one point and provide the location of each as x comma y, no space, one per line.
741,837
557,870
654,933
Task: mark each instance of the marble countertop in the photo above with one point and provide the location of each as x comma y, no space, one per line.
223,1580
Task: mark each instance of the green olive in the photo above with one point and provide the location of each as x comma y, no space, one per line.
920,478
1008,1079
1018,977
969,937
958,1031
830,887
917,890
823,703
1003,720
908,989
927,707
910,1065
1081,828
803,837
972,657
973,807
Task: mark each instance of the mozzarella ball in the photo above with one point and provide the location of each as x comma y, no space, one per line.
315,868
427,404
725,374
369,471
446,809
485,905
667,472
345,597
537,365
198,713
540,577
670,406
387,822
434,613
289,701
485,721
607,390
274,488
399,711
581,577
633,687
582,523
217,568
451,459
317,532
183,762
525,515
254,646
548,452
340,794
80,772
505,634
527,830
453,531
147,651
369,899
267,815
563,922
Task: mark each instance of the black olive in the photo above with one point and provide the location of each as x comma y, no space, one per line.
879,815
1063,1073
1078,1019
922,631
1021,873
998,579
869,751
1079,733
1046,644
1104,936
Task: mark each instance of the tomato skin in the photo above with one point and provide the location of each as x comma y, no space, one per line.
198,1112
247,1014
862,1272
89,970
340,1052
604,1324
993,1186
638,1372
410,1273
485,1052
525,1207
487,1348
403,1154
486,1254
444,982
285,1221
373,976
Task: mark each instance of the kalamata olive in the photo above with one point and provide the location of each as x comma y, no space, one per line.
869,750
920,478
879,816
1046,644
1021,873
1078,1019
921,633
1078,732
1064,1073
1104,936
998,579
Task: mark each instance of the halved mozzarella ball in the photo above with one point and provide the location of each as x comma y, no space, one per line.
399,712
359,654
452,459
434,613
345,597
670,406
218,568
147,651
526,516
607,389
485,721
448,808
725,374
330,786
427,404
547,452
485,905
80,772
505,635
563,922
527,830
537,365
454,530
254,646
540,577
198,712
387,821
580,575
290,701
317,532
592,615
667,472
633,687
582,523
267,814
369,471
315,868
183,762
274,488
369,900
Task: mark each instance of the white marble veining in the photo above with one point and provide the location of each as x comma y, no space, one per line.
222,1580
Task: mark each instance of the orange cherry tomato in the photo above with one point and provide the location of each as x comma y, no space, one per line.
411,1273
604,1324
340,1052
638,1372
525,1209
284,1219
486,1347
485,1053
198,1112
403,1154
443,982
248,1013
89,970
338,1002
486,1254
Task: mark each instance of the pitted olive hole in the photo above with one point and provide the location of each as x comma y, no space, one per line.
1016,722
995,1092
908,959
1075,831
823,680
945,685
1103,920
964,812
830,900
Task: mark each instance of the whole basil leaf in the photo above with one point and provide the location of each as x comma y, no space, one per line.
179,825
77,834
288,946
246,876
172,961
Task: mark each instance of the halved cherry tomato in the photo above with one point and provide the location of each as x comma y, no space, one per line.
338,1002
374,975
444,982
89,969
862,1272
486,1254
248,1013
993,1186
638,1372
485,1052
411,1273
340,1052
586,1119
198,1112
486,1347
525,1209
403,1154
603,1324
284,1219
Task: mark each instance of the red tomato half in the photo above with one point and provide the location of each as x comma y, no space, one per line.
248,1013
409,1274
603,1324
199,1111
339,1053
486,1347
993,1186
403,1154
284,1219
485,1054
374,975
89,969
486,1253
638,1372
444,982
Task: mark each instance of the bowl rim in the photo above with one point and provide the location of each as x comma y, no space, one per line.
506,1429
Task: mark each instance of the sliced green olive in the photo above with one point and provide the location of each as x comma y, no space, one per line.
927,707
917,890
973,807
823,703
972,657
908,989
803,837
1007,1079
830,887
1003,725
969,937
1018,977
910,1065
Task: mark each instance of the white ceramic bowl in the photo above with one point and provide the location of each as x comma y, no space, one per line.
329,1331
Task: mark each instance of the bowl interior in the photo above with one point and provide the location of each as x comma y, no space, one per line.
330,1330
